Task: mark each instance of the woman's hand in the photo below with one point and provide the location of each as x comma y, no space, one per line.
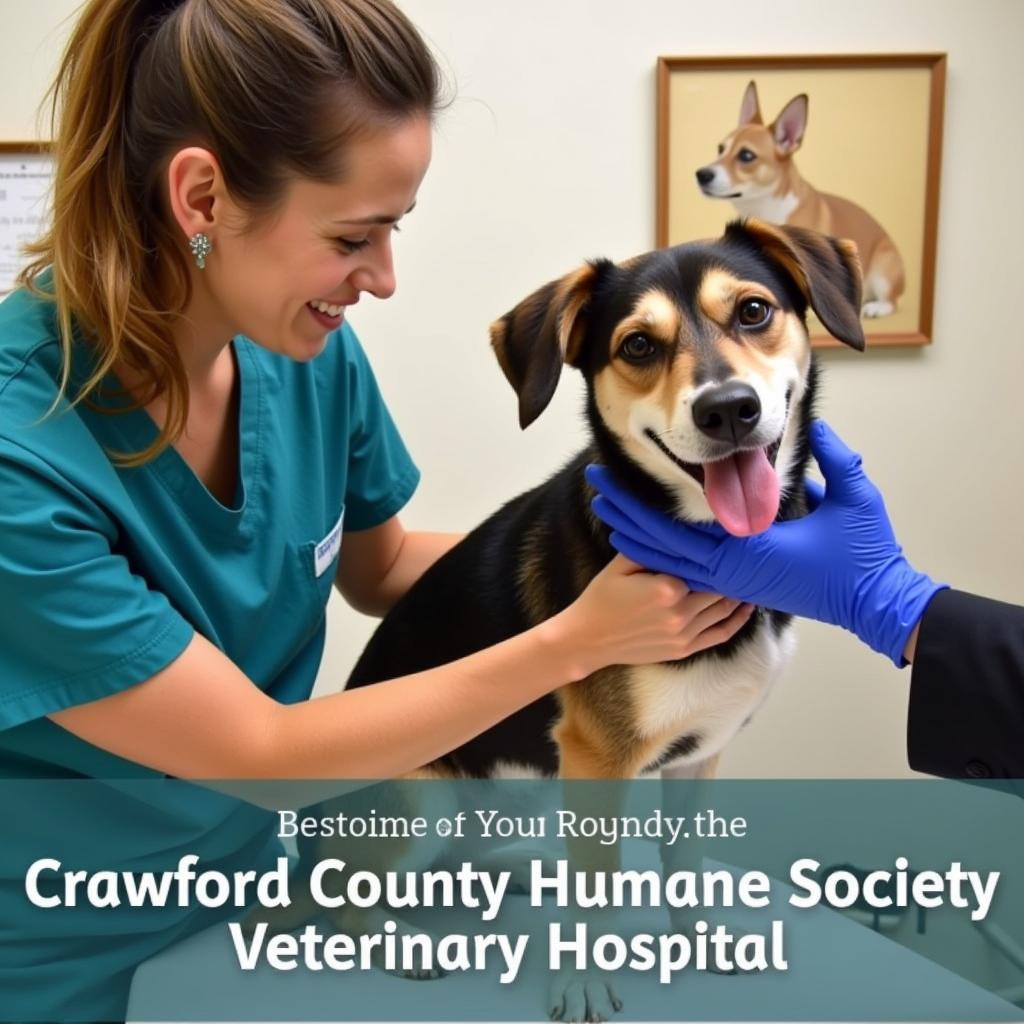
628,616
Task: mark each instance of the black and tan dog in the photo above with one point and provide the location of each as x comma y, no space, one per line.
700,380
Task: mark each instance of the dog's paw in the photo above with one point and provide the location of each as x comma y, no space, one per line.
575,996
416,973
873,310
374,923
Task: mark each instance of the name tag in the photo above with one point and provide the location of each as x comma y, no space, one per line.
327,550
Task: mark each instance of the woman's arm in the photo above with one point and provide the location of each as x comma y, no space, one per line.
202,718
380,564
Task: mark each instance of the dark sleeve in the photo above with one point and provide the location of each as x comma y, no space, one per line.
966,715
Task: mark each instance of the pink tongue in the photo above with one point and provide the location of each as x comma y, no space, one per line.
743,492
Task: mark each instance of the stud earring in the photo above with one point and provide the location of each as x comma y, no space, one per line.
200,245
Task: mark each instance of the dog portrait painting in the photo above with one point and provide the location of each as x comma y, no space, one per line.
846,146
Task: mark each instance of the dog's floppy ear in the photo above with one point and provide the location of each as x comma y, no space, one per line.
545,330
826,270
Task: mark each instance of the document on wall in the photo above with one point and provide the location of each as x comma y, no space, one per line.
24,194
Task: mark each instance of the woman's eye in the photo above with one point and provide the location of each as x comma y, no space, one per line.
351,245
754,313
636,348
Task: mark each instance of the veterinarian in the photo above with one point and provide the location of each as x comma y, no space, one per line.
190,433
841,564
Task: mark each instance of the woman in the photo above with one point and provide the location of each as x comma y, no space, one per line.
188,429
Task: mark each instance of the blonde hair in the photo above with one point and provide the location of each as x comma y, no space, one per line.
274,88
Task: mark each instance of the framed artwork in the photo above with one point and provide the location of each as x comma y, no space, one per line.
847,144
26,170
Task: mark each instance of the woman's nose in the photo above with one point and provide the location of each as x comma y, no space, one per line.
377,275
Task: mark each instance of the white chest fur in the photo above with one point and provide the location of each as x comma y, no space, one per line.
713,698
774,209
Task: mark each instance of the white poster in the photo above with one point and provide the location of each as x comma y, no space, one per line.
24,194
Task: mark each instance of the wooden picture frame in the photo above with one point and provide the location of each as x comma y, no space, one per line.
867,133
26,172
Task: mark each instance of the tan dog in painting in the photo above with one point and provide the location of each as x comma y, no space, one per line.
756,171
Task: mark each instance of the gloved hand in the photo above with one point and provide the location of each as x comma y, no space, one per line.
840,564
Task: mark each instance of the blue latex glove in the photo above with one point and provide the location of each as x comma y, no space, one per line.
840,564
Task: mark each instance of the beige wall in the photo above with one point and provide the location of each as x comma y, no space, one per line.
547,158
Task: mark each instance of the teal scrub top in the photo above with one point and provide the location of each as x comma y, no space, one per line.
105,575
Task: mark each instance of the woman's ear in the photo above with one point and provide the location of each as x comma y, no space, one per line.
195,190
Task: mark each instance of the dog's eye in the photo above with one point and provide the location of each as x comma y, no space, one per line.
721,149
636,348
747,155
754,313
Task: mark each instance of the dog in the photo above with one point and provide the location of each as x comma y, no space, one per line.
700,380
755,169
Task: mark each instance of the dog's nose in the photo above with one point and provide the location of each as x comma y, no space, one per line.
728,412
705,176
